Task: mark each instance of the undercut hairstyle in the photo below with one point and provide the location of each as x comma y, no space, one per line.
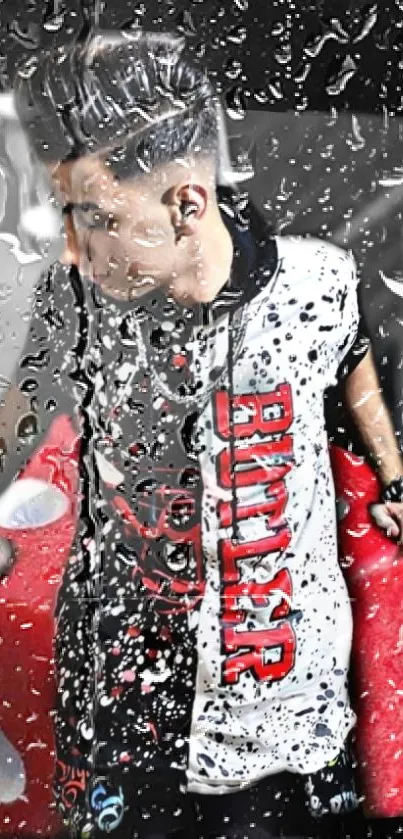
134,97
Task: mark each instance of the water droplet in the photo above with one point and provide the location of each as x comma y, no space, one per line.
29,67
237,35
283,54
383,38
275,89
314,45
5,292
186,24
340,76
235,103
54,23
357,141
200,50
368,24
28,37
261,96
302,72
277,28
233,69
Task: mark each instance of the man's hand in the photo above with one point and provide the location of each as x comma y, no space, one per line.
389,517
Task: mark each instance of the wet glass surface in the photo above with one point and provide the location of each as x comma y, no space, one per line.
185,471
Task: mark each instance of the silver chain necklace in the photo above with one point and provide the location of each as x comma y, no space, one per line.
203,395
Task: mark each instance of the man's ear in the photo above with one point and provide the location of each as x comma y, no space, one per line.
188,205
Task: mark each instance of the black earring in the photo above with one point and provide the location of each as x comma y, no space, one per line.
187,208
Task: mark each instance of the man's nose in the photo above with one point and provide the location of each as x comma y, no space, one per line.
70,254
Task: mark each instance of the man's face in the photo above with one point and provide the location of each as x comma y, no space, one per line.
119,234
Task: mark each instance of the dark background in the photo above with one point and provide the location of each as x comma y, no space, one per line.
313,101
280,55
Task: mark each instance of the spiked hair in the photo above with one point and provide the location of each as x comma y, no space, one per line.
131,95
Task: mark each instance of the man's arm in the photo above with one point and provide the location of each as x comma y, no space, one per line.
20,434
40,392
42,386
364,400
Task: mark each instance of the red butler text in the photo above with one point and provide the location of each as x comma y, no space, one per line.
262,454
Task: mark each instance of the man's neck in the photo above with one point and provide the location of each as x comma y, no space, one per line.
210,270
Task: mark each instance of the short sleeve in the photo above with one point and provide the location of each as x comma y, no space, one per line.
340,426
340,317
356,353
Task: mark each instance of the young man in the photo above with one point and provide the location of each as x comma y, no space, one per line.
203,625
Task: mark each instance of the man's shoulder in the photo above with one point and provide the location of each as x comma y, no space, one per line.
310,252
53,284
53,299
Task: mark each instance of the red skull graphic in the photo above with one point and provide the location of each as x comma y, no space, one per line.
163,531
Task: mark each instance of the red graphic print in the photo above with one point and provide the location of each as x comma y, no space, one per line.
166,532
268,653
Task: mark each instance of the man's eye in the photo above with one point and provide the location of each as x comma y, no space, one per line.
86,216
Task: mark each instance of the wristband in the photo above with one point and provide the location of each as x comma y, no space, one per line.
393,492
